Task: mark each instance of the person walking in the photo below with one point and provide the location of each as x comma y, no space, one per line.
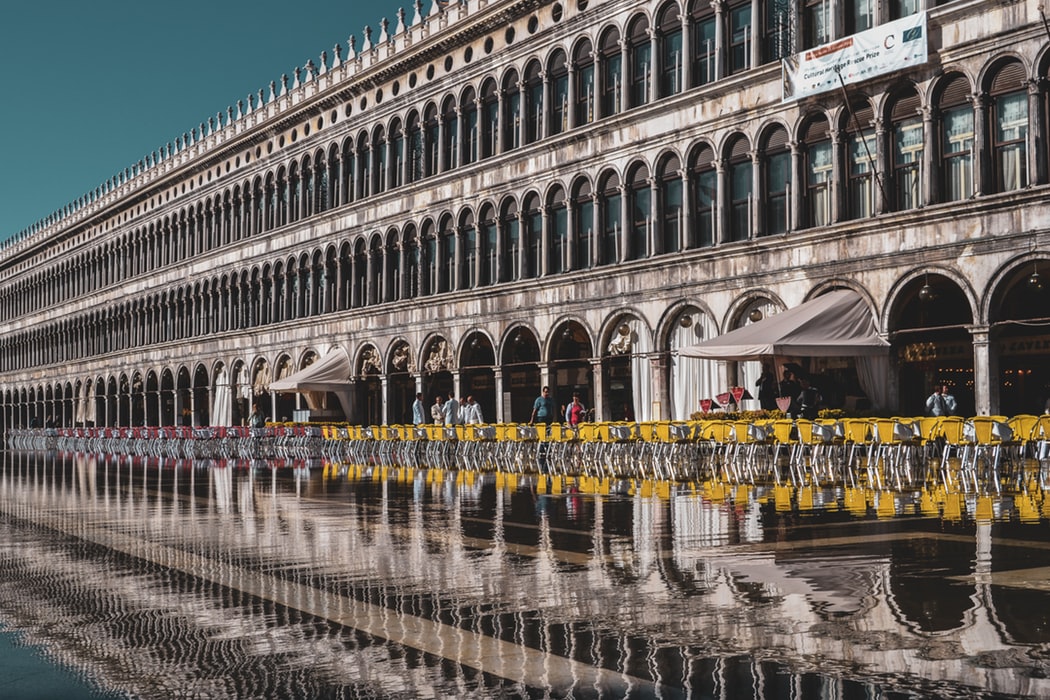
543,407
419,411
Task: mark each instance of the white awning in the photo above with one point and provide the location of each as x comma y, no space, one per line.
330,373
836,324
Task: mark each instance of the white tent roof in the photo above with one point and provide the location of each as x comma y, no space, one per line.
330,373
836,324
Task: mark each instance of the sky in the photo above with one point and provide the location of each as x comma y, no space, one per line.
90,87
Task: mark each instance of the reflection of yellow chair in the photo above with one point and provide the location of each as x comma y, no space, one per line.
784,438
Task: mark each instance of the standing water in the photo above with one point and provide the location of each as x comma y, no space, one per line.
154,578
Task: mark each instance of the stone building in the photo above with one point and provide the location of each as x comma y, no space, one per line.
489,196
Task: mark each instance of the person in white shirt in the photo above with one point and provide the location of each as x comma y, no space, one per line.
472,411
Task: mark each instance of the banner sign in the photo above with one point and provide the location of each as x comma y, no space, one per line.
883,49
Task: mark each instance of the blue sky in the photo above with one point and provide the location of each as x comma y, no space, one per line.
91,86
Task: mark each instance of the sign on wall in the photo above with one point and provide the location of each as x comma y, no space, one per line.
889,47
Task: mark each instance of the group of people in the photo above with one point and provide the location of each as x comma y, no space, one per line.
802,398
544,410
448,411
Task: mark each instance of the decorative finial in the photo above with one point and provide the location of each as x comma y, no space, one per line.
338,60
400,28
324,63
368,39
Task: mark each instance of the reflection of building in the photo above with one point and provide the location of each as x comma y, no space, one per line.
491,196
135,559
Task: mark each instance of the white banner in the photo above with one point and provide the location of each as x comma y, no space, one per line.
886,48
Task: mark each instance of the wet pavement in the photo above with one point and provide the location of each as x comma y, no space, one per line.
236,579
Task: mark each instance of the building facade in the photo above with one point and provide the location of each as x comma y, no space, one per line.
489,196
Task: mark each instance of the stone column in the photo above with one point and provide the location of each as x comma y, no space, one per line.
687,52
720,38
882,165
837,186
661,390
599,388
983,180
497,373
1037,167
685,227
756,220
929,181
384,403
985,373
721,201
626,225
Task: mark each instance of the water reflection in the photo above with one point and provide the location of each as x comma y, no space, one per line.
298,579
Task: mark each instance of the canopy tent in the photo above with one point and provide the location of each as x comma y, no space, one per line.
329,374
836,324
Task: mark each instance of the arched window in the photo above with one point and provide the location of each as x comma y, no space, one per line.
397,154
447,251
281,197
611,220
740,180
349,165
489,137
703,190
533,102
469,118
1009,127
584,99
816,23
487,246
532,237
364,165
360,293
819,166
671,204
776,182
450,134
378,154
558,72
906,140
860,15
582,255
703,49
431,145
392,288
510,264
410,253
639,208
376,282
612,74
511,122
288,202
860,162
669,27
558,236
955,124
429,260
740,36
777,30
471,257
641,61
414,144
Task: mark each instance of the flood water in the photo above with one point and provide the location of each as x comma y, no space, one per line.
153,578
